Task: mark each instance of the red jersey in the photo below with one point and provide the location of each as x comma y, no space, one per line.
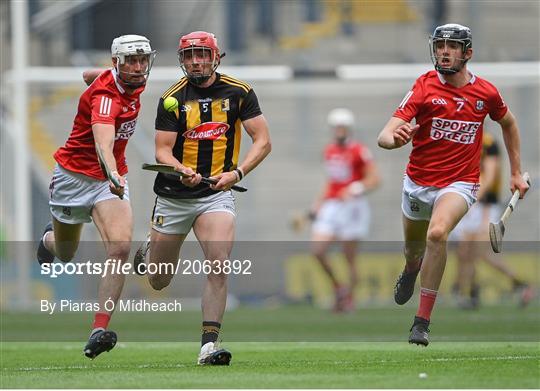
344,165
448,144
103,102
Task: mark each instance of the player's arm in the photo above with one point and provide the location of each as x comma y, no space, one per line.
104,139
257,129
372,178
370,182
90,75
511,138
164,154
396,133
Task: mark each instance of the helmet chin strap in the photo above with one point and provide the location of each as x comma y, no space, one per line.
450,71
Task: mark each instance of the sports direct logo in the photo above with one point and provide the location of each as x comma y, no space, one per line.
126,130
463,132
207,131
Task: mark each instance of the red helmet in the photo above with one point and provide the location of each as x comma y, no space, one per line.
199,40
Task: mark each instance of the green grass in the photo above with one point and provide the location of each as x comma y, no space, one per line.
275,365
495,347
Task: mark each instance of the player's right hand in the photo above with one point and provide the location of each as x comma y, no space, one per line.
119,191
518,183
191,179
404,133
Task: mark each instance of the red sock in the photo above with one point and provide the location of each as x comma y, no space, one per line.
427,301
101,319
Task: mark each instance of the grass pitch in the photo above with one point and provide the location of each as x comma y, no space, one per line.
492,348
275,365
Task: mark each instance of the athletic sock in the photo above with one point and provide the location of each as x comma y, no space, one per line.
210,332
427,301
101,321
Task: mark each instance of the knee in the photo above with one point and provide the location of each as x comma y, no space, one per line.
437,233
119,250
218,279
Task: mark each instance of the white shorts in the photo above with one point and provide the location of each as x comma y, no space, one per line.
176,216
417,201
345,220
72,196
476,219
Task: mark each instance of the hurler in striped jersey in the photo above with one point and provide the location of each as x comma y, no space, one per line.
449,106
79,190
202,137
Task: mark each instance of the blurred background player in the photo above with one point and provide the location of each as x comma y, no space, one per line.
341,212
472,233
202,138
449,105
80,192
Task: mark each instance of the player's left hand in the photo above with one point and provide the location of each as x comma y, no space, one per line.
119,191
225,181
517,183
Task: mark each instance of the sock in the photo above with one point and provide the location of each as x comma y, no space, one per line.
210,332
101,321
427,301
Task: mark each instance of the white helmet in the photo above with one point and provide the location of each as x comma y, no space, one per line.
132,45
129,45
341,117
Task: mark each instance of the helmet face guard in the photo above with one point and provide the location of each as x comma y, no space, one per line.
199,57
450,33
129,49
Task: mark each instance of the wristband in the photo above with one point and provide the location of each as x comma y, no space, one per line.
235,172
240,173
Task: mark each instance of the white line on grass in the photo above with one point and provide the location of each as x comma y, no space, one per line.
67,367
167,366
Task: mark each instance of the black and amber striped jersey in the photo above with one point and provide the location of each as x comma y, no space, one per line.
208,123
490,148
